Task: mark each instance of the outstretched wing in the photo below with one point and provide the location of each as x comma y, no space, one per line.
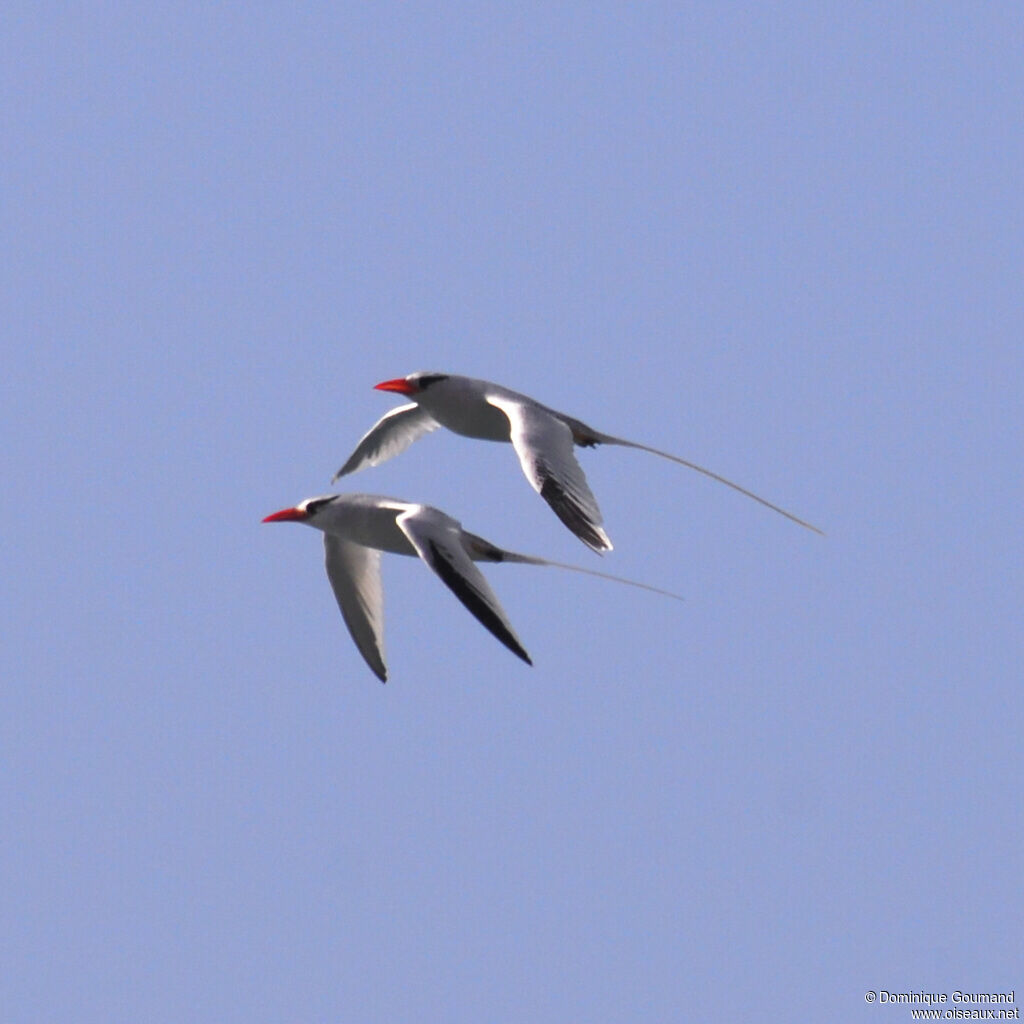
437,539
389,436
544,445
354,572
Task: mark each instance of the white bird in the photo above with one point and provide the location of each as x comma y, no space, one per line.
358,527
543,440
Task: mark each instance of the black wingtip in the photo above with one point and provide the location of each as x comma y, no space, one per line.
519,651
483,612
569,511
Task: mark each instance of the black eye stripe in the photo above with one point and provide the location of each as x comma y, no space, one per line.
312,506
430,378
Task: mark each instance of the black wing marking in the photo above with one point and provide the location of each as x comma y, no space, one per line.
570,512
474,601
544,444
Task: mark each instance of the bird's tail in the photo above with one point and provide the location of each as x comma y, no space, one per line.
599,438
482,550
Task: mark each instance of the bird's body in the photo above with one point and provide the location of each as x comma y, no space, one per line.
366,519
542,437
357,527
467,406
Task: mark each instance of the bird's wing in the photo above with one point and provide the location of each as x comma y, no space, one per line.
544,445
354,572
438,540
389,436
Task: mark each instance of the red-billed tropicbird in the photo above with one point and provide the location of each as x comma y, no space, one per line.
543,439
358,527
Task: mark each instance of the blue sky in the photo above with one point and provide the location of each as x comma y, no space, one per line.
784,241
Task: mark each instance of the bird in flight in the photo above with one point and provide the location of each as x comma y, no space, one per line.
543,439
358,527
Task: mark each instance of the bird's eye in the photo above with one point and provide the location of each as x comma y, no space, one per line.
315,504
427,379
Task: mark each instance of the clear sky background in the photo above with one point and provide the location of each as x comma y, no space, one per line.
783,240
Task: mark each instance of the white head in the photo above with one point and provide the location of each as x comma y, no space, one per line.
413,385
308,511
